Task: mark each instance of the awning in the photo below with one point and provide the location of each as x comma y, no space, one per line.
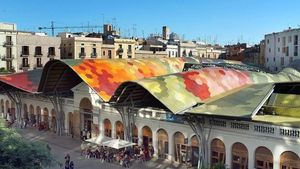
110,142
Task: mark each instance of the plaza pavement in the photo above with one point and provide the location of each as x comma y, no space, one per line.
62,145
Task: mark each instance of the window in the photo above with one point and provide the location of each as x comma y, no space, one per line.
287,51
283,41
82,50
274,59
8,40
295,50
120,56
267,59
82,44
109,54
94,51
169,53
25,50
38,50
51,51
129,48
38,62
269,50
172,53
291,59
268,41
129,56
25,62
103,53
120,46
278,49
296,40
282,61
278,39
289,39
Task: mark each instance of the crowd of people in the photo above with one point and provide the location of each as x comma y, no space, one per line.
123,157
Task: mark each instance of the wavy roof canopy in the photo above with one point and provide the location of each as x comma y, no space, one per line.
105,75
181,91
26,81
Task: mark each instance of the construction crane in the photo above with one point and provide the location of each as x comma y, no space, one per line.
52,27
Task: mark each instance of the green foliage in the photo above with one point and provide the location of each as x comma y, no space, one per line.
17,153
219,166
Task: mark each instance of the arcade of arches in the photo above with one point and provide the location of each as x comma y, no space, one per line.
86,111
182,149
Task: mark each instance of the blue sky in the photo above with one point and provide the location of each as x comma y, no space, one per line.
222,21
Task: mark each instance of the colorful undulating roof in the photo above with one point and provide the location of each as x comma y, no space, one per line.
26,81
181,91
105,75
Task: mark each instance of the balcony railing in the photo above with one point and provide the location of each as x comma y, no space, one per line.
38,54
51,54
8,44
120,51
7,57
94,55
24,54
82,54
39,65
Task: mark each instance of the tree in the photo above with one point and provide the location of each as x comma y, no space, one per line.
17,153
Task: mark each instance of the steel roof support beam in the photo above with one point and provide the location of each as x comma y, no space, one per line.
197,123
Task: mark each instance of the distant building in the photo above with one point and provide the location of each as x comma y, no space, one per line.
186,49
252,55
281,48
209,51
22,50
235,52
79,46
165,33
262,53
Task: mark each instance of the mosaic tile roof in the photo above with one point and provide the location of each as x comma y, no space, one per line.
26,81
181,91
105,75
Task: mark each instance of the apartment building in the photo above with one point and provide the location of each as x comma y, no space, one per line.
123,48
281,48
35,50
209,51
22,50
80,46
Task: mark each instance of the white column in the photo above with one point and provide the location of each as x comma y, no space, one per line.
140,136
228,156
276,160
155,143
113,129
251,156
171,155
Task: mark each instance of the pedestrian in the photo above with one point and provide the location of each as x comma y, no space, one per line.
67,162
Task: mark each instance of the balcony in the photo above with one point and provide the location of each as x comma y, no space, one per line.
51,55
24,54
39,66
82,55
129,52
24,67
38,54
8,44
120,51
7,57
94,55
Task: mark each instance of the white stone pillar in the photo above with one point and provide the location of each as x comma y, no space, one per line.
100,122
228,156
155,143
140,136
276,160
251,156
113,129
171,155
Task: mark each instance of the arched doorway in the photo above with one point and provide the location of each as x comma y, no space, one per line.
180,147
263,158
45,119
86,114
107,127
289,160
119,130
31,114
135,137
194,151
71,129
217,152
239,156
147,136
53,120
38,116
25,112
163,143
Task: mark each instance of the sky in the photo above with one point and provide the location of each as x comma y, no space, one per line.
212,21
